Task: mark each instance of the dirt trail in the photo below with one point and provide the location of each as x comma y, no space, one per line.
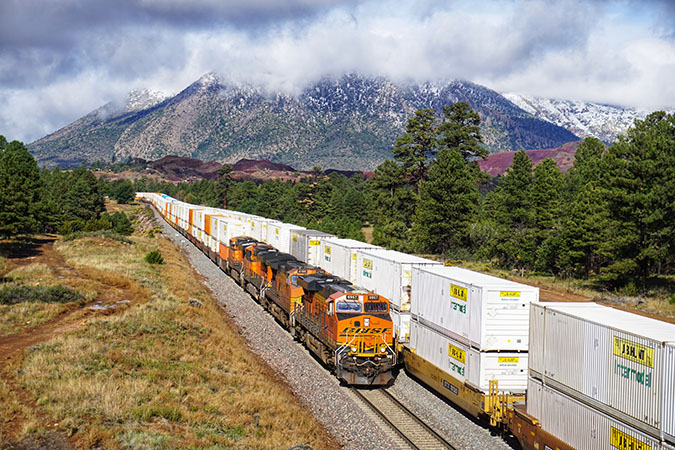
115,295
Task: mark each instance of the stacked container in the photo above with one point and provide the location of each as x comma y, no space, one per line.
338,256
228,228
485,312
472,325
581,426
467,364
615,362
306,245
279,235
389,273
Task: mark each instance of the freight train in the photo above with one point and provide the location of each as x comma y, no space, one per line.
555,376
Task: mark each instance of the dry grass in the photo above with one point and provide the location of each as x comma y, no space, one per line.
160,373
22,316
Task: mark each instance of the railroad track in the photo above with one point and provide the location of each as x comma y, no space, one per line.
403,421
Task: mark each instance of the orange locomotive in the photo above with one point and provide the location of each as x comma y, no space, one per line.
350,330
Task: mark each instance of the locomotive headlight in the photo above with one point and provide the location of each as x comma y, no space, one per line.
383,348
366,322
354,349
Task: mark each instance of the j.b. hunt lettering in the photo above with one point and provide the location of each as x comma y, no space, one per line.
356,330
619,439
632,351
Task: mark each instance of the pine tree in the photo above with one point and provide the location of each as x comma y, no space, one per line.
461,131
223,185
21,190
584,230
447,205
83,200
510,207
640,192
414,149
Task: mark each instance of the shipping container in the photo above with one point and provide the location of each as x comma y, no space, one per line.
580,425
616,361
389,273
480,310
338,256
215,229
279,235
306,245
466,364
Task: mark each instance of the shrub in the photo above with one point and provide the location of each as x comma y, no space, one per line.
53,294
154,257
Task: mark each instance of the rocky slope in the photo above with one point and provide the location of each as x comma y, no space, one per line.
346,123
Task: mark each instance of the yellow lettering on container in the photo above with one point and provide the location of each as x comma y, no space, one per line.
619,439
354,256
458,292
367,264
313,242
276,231
507,359
457,353
509,294
327,250
632,351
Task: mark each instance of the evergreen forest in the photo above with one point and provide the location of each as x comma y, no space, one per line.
609,219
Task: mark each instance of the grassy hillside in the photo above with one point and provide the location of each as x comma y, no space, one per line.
132,365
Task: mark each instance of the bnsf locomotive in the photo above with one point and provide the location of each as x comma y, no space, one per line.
348,329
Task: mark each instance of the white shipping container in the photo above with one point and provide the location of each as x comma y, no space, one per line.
229,228
306,245
580,425
338,256
467,364
617,361
216,228
389,273
258,227
481,310
279,235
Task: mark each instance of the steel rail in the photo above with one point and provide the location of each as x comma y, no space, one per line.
404,422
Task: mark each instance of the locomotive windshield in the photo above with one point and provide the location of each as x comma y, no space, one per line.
348,307
375,307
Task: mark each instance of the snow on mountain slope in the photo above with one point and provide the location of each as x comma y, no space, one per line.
584,119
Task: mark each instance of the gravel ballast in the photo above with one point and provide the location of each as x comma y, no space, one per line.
314,385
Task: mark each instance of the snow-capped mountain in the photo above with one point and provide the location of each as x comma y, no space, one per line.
605,122
350,123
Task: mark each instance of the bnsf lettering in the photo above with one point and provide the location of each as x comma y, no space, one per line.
354,330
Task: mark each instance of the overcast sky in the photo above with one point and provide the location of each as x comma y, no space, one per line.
60,59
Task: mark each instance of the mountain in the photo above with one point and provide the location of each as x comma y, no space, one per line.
344,123
584,119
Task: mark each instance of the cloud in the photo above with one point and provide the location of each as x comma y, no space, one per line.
60,60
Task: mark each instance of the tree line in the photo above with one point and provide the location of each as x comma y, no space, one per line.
51,201
609,218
